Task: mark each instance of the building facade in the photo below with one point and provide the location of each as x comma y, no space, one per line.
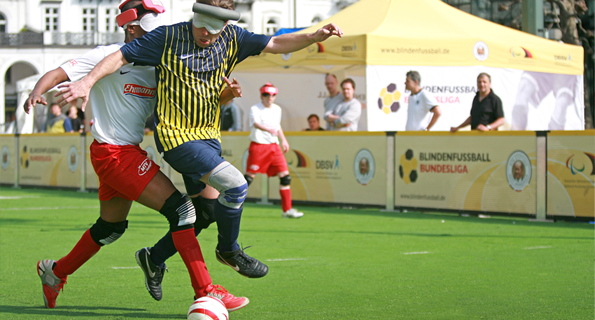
37,36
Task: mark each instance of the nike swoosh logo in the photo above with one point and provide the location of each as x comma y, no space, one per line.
186,56
151,273
236,268
122,72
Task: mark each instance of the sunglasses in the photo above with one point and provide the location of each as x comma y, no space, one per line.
266,95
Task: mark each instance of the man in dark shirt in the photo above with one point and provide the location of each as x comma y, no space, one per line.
313,123
486,111
231,119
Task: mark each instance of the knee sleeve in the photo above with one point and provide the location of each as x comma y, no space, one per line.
205,212
249,179
231,185
103,232
179,211
285,181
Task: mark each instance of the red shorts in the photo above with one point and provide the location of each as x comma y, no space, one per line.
124,171
265,158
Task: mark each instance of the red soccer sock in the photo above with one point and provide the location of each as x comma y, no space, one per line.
81,253
285,199
189,250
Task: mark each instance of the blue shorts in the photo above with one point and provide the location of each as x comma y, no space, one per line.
193,188
194,159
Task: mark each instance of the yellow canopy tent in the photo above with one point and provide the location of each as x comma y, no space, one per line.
383,39
422,32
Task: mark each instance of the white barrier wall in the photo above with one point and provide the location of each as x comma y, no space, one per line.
495,172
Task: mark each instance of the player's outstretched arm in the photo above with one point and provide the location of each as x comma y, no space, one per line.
80,89
48,81
290,42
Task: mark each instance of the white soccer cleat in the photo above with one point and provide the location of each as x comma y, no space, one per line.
50,283
292,213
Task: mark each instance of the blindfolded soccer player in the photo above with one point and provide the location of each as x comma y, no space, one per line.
192,60
121,104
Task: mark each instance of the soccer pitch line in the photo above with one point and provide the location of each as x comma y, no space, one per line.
419,252
17,197
539,247
50,208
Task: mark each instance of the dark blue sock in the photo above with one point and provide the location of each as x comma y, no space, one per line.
228,225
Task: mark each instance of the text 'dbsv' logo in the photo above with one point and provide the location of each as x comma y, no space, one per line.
139,91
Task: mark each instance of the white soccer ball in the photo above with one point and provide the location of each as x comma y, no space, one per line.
208,308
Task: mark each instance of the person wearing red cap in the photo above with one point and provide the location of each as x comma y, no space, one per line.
265,155
121,104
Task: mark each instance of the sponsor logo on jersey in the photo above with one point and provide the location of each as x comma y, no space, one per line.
139,91
144,167
73,62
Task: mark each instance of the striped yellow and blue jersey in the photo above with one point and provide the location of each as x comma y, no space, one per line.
190,78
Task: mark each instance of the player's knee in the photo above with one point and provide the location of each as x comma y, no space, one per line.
285,181
249,179
205,212
179,211
103,232
230,183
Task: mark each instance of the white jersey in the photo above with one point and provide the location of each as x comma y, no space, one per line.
418,111
270,117
121,101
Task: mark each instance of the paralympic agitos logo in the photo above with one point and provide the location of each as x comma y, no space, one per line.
575,168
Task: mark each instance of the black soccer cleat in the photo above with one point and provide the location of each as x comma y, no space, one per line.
243,263
153,273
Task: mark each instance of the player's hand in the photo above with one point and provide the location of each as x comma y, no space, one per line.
71,91
285,146
327,31
482,128
234,86
454,129
32,101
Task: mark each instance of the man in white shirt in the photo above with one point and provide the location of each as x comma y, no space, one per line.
265,154
121,104
421,104
345,115
334,96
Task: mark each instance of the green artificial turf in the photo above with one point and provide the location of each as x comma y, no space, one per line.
331,264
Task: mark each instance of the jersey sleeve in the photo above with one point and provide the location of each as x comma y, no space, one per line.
148,49
498,111
77,68
250,44
429,100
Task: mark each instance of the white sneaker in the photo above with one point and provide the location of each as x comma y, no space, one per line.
292,213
